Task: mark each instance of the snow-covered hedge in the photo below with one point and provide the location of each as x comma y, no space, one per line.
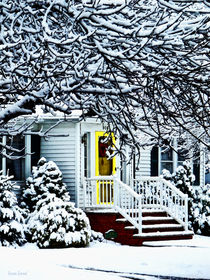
12,223
58,224
46,178
198,197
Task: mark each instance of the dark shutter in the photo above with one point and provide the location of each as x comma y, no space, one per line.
35,149
154,161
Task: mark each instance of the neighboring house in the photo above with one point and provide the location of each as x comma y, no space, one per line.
81,155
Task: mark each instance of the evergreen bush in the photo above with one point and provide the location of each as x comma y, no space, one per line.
58,224
53,221
46,178
198,197
12,222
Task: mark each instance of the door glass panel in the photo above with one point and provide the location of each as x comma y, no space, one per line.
105,165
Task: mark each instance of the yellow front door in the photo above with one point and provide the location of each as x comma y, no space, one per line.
104,167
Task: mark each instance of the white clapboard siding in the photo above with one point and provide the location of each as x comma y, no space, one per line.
62,151
145,164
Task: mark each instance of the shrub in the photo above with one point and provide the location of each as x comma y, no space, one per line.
198,197
12,222
46,178
200,210
58,224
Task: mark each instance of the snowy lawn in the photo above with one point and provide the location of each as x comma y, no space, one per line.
109,260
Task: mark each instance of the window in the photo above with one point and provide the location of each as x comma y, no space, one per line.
20,166
16,166
170,160
166,160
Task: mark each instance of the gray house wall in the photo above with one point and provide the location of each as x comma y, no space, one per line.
62,150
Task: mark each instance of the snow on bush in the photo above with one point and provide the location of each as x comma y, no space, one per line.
46,178
12,223
58,224
201,210
53,221
198,197
96,236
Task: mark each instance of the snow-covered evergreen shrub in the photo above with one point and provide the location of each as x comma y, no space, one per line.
58,224
198,197
12,223
46,178
183,178
200,210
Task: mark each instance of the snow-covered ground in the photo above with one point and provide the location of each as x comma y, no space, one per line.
109,260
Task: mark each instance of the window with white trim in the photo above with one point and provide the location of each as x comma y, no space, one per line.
16,166
166,160
28,155
170,160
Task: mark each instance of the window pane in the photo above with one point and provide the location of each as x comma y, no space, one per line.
167,165
16,166
181,158
180,163
167,155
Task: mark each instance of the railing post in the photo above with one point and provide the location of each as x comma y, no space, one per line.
161,193
116,192
140,215
186,211
84,193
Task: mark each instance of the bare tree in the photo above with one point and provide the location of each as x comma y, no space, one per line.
143,67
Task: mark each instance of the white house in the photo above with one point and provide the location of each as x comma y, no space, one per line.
108,187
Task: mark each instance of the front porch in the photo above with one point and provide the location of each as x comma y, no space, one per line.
150,209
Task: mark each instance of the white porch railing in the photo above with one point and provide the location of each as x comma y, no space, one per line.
128,203
110,192
147,192
159,193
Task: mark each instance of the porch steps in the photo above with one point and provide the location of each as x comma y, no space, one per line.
156,226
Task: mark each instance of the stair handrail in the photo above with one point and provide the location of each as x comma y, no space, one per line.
125,200
164,195
128,203
174,188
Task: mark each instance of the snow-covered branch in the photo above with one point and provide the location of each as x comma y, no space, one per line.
141,66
